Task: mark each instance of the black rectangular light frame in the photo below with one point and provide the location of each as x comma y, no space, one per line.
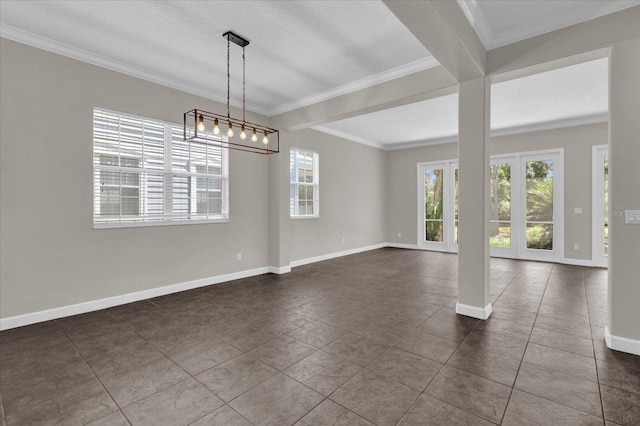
191,133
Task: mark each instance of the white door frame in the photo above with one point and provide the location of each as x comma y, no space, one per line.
518,248
598,209
557,253
511,252
451,224
447,206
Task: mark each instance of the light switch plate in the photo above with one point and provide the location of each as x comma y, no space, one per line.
577,210
632,217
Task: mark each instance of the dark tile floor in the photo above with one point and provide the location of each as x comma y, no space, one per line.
365,339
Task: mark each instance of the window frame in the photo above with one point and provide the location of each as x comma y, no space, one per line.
315,170
168,174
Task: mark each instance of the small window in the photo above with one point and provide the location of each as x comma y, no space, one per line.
145,173
304,188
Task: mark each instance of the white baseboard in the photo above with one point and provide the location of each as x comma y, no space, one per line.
336,254
473,311
578,262
403,246
108,302
95,305
279,269
621,344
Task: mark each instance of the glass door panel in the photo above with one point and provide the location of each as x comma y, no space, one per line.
455,205
600,205
605,196
539,205
541,211
500,221
434,205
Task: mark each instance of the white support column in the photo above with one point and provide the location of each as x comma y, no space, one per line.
623,326
279,221
473,183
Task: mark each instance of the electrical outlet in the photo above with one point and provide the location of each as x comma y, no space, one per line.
576,246
577,210
239,256
632,217
399,234
342,240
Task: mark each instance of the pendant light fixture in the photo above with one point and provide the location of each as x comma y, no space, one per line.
204,126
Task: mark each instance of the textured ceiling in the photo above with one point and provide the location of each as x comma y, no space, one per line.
433,119
502,22
569,95
565,93
300,50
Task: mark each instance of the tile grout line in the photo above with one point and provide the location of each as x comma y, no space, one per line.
526,346
96,376
594,352
192,377
438,372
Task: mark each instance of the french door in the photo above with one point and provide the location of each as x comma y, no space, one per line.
526,196
600,205
438,206
503,235
541,208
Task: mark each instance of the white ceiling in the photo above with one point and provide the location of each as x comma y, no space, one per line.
300,52
571,95
434,120
303,52
502,22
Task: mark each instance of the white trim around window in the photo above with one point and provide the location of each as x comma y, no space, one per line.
146,174
304,184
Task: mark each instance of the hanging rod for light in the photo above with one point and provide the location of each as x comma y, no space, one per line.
204,126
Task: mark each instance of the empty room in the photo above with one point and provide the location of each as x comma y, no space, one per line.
356,212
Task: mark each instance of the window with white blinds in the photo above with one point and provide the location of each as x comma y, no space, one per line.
304,183
146,174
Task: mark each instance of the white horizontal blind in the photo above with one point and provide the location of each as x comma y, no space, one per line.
304,183
145,172
200,184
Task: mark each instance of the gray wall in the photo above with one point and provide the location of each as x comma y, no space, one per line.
577,143
352,197
50,255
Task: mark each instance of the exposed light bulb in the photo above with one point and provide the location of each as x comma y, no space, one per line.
201,123
230,131
254,137
265,139
216,128
243,135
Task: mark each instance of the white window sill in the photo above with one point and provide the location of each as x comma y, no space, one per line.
317,216
109,225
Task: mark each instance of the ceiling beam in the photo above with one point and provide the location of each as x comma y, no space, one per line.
444,30
530,56
417,87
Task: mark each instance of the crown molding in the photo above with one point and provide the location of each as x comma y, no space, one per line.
417,144
392,74
551,125
476,18
492,40
348,136
514,130
76,53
